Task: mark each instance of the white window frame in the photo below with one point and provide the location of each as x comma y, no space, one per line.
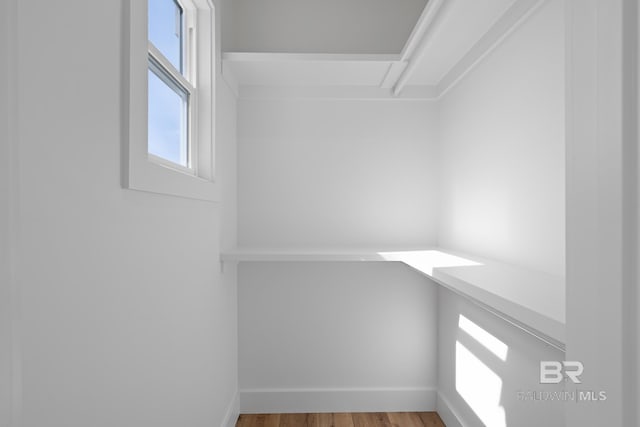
144,171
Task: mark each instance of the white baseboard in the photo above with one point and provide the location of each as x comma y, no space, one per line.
233,412
256,401
447,412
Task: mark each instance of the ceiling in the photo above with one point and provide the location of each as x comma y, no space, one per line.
320,26
334,43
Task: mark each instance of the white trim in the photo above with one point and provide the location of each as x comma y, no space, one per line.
394,72
401,67
307,57
631,99
394,68
601,219
371,93
301,400
13,134
419,40
519,12
233,412
634,303
502,29
419,31
230,79
171,165
448,413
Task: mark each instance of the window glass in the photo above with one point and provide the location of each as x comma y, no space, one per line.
165,29
167,120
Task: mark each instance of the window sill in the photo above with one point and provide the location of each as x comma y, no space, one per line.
147,175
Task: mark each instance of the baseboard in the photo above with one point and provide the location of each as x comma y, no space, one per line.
447,412
255,401
233,412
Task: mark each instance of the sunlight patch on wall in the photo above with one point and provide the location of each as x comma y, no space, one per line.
491,343
480,387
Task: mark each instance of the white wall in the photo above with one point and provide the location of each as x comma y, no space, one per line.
336,337
489,396
502,140
318,173
5,220
337,173
480,171
503,197
329,26
125,317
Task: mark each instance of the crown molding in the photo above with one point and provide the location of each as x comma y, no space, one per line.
307,57
345,93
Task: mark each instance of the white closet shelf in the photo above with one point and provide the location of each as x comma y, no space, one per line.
531,300
265,255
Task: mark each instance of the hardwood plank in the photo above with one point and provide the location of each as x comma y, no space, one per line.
371,419
294,420
244,420
431,419
342,419
404,419
259,420
320,420
272,420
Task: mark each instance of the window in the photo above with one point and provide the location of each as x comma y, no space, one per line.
170,86
170,68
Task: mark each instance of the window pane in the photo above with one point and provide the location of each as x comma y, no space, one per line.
165,29
167,121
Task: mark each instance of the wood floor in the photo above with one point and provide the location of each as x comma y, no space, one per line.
377,419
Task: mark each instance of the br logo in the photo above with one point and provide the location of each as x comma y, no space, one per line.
553,372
